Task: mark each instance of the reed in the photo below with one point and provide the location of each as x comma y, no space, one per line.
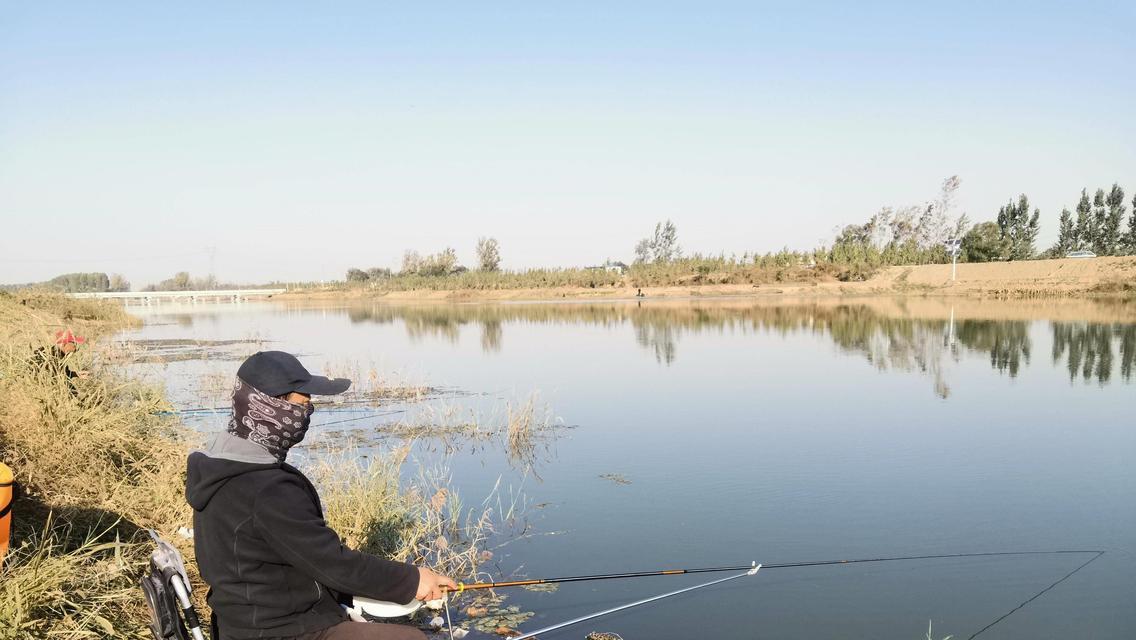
88,453
93,454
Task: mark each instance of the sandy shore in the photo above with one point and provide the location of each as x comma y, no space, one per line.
1028,279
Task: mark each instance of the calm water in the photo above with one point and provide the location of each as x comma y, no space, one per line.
774,433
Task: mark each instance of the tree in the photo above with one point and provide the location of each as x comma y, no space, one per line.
665,245
933,228
1019,229
82,282
904,226
378,273
488,254
180,282
962,225
1066,236
661,247
356,275
1110,230
444,262
1130,237
643,251
411,263
1100,224
1086,232
118,283
983,243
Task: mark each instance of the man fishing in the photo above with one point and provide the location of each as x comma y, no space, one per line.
274,567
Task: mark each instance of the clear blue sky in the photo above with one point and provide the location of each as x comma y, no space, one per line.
300,139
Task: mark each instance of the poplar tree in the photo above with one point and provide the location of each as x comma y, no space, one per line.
1130,237
1066,235
1100,221
1110,232
1019,229
1085,231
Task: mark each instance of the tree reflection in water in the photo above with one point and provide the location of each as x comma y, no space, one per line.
889,341
1088,349
1007,343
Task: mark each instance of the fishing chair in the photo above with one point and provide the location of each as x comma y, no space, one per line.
167,591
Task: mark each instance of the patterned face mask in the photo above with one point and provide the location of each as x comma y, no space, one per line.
272,423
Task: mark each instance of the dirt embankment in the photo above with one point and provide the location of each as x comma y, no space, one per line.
1028,279
1066,277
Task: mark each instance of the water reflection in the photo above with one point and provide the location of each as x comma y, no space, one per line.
1087,349
1007,343
890,338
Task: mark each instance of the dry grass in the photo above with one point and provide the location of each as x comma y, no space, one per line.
98,466
424,523
523,429
67,585
527,431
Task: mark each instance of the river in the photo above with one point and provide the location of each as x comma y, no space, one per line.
698,432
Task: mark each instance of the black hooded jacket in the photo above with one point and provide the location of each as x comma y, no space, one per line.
273,565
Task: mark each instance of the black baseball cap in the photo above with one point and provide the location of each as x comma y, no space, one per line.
277,373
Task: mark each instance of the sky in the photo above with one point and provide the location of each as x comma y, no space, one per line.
292,141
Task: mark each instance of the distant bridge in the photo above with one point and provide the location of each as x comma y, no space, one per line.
151,297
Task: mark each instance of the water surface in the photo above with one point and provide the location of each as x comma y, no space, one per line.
771,432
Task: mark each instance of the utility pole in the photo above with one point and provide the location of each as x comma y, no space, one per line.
954,247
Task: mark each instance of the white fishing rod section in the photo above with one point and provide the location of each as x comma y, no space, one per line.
591,616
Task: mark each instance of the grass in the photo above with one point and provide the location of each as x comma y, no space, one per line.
424,523
98,467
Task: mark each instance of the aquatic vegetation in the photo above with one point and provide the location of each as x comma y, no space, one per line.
424,523
931,637
502,620
617,478
528,427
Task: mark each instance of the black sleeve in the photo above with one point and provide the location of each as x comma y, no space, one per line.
286,516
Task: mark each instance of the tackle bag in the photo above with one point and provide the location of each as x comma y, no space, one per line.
166,587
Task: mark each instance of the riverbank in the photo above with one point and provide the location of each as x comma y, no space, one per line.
99,462
1096,277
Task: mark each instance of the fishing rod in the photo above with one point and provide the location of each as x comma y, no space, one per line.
383,609
785,565
322,406
368,413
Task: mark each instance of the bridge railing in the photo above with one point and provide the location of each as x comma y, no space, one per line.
150,296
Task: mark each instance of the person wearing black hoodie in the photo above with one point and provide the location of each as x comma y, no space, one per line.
274,567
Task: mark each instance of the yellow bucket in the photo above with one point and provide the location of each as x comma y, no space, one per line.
7,496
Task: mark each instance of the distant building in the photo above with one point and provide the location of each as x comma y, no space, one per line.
613,266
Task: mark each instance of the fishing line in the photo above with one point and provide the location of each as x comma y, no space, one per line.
369,415
1038,594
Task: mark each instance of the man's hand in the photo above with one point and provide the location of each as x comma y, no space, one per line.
430,585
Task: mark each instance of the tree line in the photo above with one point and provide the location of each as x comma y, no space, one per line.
924,233
80,282
442,263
